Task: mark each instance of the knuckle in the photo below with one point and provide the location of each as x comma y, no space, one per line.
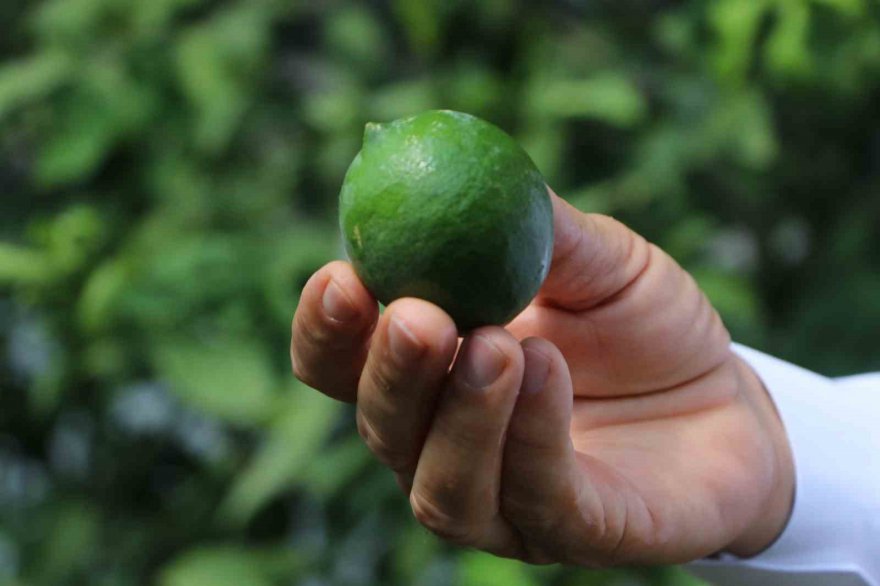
380,377
312,329
462,436
439,522
532,514
534,441
323,335
299,371
384,382
398,460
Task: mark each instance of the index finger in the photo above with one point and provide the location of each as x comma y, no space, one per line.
331,331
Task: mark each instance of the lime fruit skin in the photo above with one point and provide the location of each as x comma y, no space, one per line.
448,208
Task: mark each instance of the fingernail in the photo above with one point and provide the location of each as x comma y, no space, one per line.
482,362
336,305
405,347
537,370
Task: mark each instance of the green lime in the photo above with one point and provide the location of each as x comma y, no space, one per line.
446,207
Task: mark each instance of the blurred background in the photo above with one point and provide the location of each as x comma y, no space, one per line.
168,179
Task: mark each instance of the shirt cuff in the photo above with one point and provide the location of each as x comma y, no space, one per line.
834,527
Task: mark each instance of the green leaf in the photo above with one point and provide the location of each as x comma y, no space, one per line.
609,97
403,99
482,569
545,142
676,576
736,23
72,237
336,467
182,279
32,78
743,126
787,50
216,566
730,295
850,8
23,265
97,302
231,379
79,146
297,254
295,438
592,198
71,543
473,88
422,22
356,34
216,66
413,552
152,17
685,239
336,156
335,110
69,24
106,106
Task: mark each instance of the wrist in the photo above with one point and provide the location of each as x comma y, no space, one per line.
775,510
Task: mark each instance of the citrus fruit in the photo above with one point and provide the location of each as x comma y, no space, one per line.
446,207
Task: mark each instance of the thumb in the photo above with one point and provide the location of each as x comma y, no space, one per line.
595,257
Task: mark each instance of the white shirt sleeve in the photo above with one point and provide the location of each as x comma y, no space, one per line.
833,535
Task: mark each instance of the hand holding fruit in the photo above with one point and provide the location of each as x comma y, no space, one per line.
608,423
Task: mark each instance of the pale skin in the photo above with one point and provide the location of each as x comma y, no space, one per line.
608,424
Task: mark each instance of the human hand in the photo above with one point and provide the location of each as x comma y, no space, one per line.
608,424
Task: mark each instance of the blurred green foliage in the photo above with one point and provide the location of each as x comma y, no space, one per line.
168,180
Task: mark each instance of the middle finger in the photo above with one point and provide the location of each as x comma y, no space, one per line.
409,358
456,487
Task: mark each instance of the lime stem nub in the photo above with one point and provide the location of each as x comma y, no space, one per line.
371,130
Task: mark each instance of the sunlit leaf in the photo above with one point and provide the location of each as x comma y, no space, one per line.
355,33
66,23
229,565
32,78
71,237
402,99
80,145
678,577
23,265
181,278
217,62
730,295
545,143
787,50
474,89
100,294
333,110
154,16
232,379
336,467
301,425
482,569
742,127
609,97
297,254
736,23
686,238
414,549
106,105
336,156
